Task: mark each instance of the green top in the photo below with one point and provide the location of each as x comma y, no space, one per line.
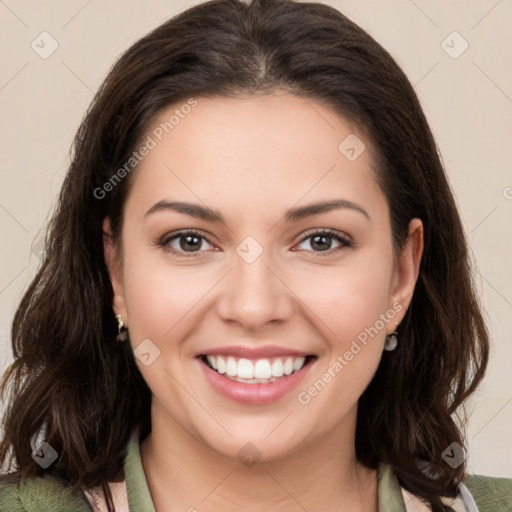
47,494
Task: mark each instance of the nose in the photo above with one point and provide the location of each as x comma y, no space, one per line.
254,295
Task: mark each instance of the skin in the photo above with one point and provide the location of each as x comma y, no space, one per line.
252,159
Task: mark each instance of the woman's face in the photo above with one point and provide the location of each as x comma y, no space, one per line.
259,286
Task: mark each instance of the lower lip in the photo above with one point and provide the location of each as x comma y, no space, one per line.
254,394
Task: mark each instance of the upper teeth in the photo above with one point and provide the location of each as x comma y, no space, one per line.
257,369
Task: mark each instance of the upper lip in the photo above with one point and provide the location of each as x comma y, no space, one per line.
253,352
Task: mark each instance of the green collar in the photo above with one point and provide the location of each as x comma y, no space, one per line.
52,494
139,498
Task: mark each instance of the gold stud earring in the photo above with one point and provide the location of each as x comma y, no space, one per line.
122,331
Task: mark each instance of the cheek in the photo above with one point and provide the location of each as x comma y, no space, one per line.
353,317
348,299
156,295
159,292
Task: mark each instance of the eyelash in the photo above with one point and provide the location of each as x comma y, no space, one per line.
164,242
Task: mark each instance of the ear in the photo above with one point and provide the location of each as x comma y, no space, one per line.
114,267
407,270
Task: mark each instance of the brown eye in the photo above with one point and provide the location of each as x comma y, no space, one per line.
321,241
184,243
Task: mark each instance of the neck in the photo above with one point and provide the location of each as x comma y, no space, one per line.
185,474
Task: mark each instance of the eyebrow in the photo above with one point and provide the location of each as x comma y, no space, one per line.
292,215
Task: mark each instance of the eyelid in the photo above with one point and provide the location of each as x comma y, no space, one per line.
327,231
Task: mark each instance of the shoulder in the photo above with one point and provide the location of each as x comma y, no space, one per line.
10,493
490,493
38,494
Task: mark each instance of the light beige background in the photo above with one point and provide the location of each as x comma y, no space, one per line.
468,101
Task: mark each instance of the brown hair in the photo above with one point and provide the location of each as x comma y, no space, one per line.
72,381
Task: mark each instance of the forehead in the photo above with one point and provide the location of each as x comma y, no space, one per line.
260,150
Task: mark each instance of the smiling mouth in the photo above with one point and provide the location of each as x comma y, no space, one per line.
259,371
